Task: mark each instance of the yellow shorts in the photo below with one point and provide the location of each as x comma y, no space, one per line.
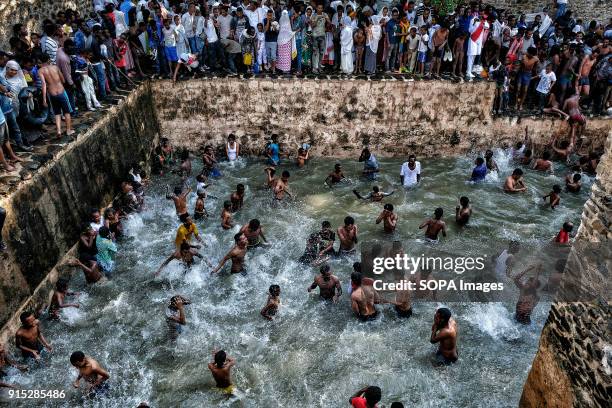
227,390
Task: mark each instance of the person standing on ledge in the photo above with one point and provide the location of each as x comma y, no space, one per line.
53,88
444,332
220,369
410,174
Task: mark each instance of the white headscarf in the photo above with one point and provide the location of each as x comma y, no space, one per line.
16,83
285,34
382,17
346,35
376,33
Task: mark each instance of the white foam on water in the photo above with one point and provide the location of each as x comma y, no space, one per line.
495,320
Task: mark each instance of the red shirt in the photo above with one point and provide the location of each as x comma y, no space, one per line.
562,237
359,402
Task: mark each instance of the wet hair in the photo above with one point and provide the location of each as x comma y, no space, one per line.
227,205
375,189
201,178
560,265
254,224
24,316
568,226
286,174
274,137
231,137
237,237
489,153
184,217
185,246
527,153
240,186
357,267
220,357
546,155
337,166
356,278
576,177
185,155
61,284
373,394
519,145
556,188
464,201
445,314
564,144
274,290
178,190
326,224
324,268
104,232
397,404
348,220
77,357
201,194
388,207
514,247
517,172
479,161
412,156
438,212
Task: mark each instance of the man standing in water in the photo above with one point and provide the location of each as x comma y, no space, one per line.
236,254
220,369
180,199
329,285
514,183
348,236
237,198
370,165
281,187
186,231
444,331
91,371
463,212
434,226
528,297
29,339
186,254
336,176
53,90
375,195
389,217
253,231
363,298
175,316
410,174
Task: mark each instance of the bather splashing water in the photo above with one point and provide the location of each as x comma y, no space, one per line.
313,354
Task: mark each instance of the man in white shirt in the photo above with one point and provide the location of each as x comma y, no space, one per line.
410,173
191,21
547,80
213,46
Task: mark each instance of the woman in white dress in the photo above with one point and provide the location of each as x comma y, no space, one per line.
182,44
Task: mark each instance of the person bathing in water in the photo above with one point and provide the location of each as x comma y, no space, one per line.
572,182
220,368
328,284
444,332
463,212
389,217
226,216
91,371
179,198
273,302
199,211
253,232
186,255
515,183
553,197
528,296
363,298
434,226
335,176
236,254
271,180
348,236
375,195
563,237
302,157
57,300
29,339
6,361
237,198
282,187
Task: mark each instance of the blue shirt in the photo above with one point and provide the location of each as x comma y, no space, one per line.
479,173
371,164
2,119
391,24
275,150
6,103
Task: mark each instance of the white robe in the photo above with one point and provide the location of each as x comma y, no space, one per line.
475,47
346,50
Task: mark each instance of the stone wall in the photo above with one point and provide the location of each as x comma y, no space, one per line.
587,10
572,365
33,12
46,213
338,117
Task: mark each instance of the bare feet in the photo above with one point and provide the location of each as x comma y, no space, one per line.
8,167
70,132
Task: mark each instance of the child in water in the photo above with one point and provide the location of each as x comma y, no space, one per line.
563,236
59,295
226,216
273,302
553,196
199,211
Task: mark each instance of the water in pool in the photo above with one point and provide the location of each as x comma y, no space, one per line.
313,354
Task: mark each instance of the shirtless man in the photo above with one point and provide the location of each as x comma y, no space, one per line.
572,182
528,297
577,120
444,331
434,226
220,369
271,180
359,41
336,176
253,231
567,72
226,216
185,254
389,217
514,183
491,164
463,212
543,164
585,70
236,254
57,300
90,370
348,236
210,161
179,197
564,150
199,211
375,195
273,302
29,339
175,315
281,187
328,238
363,298
237,198
52,82
529,64
402,302
6,361
302,157
329,285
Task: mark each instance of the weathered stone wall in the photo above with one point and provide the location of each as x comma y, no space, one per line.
338,117
587,10
45,214
572,365
33,12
